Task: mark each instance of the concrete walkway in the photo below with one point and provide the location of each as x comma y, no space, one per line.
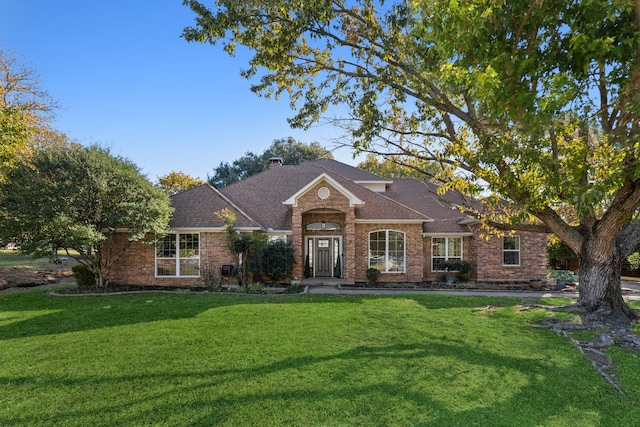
630,289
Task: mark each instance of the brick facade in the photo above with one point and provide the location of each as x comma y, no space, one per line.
137,264
488,264
335,208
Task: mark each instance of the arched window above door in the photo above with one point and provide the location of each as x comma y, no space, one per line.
324,226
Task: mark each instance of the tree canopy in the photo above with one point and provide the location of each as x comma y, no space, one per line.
77,198
537,103
176,182
25,111
394,168
291,151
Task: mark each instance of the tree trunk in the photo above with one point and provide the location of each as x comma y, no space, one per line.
600,293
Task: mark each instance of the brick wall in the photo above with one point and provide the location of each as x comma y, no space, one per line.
487,258
137,264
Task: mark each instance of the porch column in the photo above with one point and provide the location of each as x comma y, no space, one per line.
349,247
297,242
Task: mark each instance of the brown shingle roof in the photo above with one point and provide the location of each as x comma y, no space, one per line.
423,197
261,195
258,200
196,208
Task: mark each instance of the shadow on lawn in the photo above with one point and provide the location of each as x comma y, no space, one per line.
389,401
80,313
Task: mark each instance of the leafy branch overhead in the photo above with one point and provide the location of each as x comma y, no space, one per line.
535,104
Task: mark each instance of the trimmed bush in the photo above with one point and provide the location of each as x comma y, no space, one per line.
372,275
84,277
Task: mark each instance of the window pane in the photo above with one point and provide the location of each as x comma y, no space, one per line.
167,247
377,250
166,267
378,262
511,257
437,264
455,247
511,242
189,267
189,246
396,251
439,246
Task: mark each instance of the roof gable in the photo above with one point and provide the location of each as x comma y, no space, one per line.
353,199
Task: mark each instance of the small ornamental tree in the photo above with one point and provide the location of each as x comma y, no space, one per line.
78,198
247,249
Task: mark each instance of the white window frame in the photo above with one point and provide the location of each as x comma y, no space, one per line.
276,237
178,257
446,256
516,251
386,254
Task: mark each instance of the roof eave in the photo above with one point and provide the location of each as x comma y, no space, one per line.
391,221
447,234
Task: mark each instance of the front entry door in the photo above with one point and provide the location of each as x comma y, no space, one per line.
323,261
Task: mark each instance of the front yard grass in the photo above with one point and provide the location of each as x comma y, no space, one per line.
296,360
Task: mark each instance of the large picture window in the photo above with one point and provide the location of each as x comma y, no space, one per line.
178,255
511,250
444,249
386,251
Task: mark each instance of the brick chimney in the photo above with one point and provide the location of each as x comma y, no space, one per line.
275,162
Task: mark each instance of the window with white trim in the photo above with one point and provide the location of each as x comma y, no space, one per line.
387,251
276,238
178,255
511,250
445,249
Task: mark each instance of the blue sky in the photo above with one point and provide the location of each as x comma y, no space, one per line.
126,80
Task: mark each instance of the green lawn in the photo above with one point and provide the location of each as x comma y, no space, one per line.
295,360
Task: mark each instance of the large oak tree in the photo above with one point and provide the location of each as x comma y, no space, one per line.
536,103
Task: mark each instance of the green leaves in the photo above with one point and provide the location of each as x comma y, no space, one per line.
76,197
534,102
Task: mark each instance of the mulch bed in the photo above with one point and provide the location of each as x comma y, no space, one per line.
516,286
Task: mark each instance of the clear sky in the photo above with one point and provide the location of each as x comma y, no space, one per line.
126,80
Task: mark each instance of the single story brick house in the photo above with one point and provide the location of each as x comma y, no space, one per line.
332,212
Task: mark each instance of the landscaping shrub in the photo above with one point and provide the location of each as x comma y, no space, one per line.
277,260
84,277
372,275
